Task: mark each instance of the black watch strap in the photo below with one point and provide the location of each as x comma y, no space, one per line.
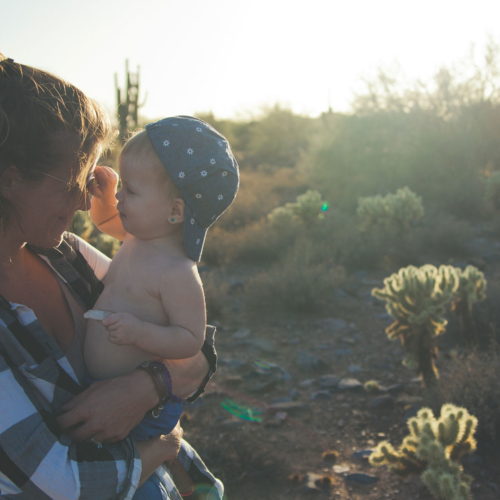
210,353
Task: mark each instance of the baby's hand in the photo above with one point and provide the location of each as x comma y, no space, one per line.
123,328
105,187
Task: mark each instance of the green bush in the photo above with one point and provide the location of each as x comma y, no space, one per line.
295,285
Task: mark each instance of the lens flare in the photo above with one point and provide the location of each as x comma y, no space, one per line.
243,412
325,206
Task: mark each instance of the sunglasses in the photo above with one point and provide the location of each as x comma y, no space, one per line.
90,179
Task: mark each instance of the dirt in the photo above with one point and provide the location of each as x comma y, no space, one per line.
271,458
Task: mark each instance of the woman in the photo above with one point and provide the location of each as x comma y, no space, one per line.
51,442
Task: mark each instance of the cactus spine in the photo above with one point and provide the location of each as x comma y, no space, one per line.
416,299
433,449
127,102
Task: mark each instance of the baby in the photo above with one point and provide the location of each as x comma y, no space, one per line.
178,176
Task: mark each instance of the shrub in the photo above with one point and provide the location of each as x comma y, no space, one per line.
216,290
472,381
394,212
296,285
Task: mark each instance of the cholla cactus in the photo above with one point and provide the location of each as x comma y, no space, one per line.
306,209
416,299
433,449
281,217
471,289
391,212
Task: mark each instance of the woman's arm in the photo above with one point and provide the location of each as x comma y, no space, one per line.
109,410
38,462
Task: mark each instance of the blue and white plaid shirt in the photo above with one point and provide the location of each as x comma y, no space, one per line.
37,462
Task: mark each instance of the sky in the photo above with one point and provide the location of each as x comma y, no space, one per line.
234,57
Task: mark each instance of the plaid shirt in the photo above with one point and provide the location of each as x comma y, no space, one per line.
37,462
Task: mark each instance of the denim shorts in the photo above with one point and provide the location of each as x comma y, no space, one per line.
152,489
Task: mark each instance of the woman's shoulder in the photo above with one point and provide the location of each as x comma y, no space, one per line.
96,259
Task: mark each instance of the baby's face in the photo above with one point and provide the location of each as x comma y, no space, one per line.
143,200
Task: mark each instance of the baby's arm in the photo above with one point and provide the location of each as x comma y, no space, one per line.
103,211
182,298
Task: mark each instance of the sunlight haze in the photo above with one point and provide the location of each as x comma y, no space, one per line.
233,57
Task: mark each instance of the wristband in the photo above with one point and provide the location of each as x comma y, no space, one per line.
163,383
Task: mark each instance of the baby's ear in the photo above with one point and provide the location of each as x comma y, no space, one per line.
178,209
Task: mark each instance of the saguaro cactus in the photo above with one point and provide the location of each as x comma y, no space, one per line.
433,449
415,299
127,102
471,289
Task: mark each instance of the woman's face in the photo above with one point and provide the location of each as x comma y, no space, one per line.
43,210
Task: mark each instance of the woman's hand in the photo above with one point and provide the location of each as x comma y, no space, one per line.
107,411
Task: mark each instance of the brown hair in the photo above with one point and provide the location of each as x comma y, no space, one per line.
139,145
46,123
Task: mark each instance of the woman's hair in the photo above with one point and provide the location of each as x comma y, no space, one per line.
139,146
47,123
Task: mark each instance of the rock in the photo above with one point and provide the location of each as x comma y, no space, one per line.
472,460
383,316
362,454
328,381
234,364
409,400
395,389
338,293
359,478
282,400
294,393
289,407
333,324
242,333
340,469
308,382
382,403
355,369
281,415
368,282
350,384
309,362
321,395
231,424
232,381
273,423
342,352
263,386
311,483
348,340
411,412
261,344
